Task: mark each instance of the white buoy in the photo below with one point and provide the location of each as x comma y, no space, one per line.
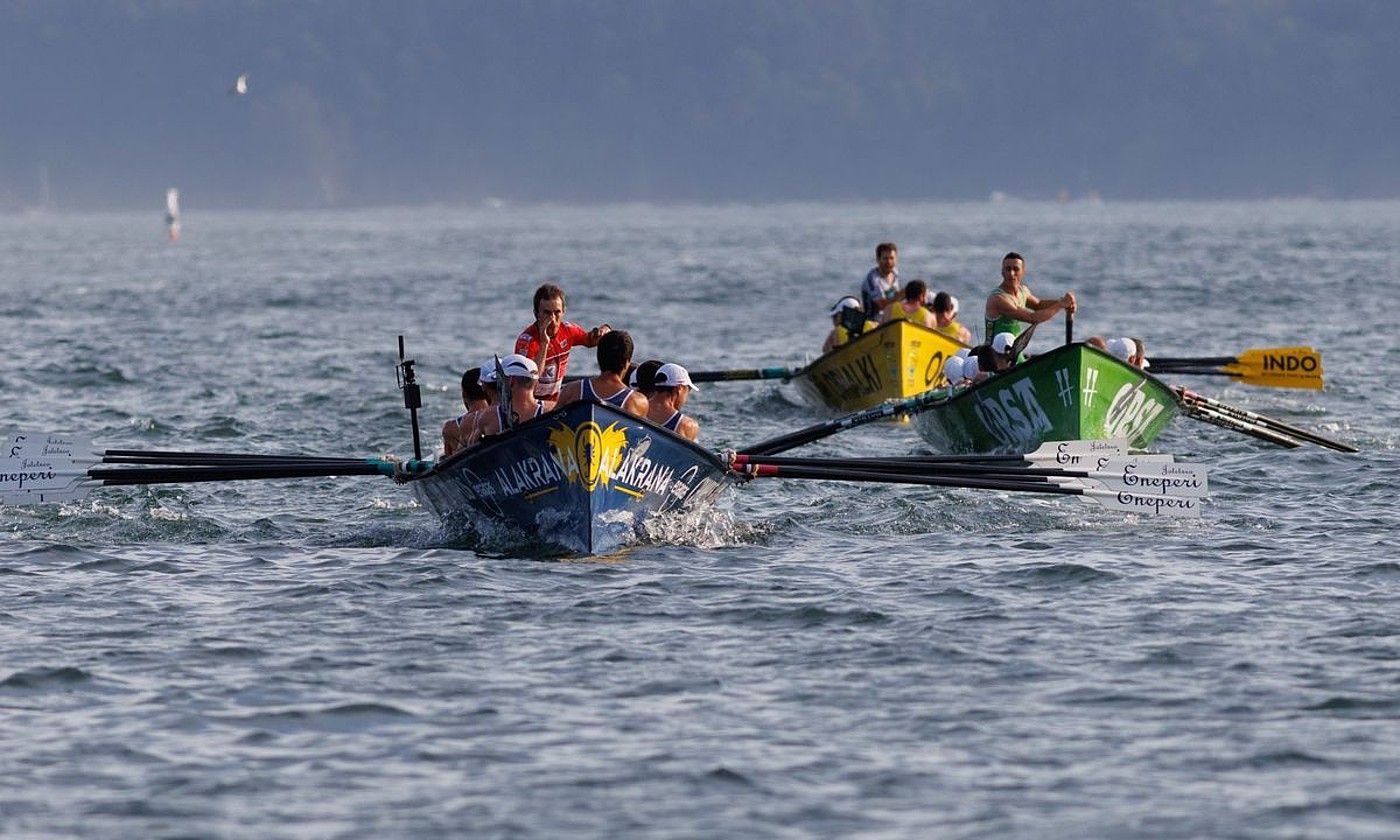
172,213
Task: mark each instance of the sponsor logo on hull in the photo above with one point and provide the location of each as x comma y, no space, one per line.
1131,412
859,377
1013,415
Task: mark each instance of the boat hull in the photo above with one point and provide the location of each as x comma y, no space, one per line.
1074,392
583,478
896,361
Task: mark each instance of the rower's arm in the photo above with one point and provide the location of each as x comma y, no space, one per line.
1039,312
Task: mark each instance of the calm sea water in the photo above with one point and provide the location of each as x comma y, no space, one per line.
318,658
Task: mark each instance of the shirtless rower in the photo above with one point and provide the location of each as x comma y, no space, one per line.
1011,306
614,354
551,355
455,432
521,375
671,386
945,313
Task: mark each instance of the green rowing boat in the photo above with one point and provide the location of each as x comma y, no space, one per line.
1073,392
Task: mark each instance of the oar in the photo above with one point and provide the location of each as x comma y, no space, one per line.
33,480
1061,452
1273,425
738,375
1136,474
894,408
1249,356
43,446
1152,503
1275,367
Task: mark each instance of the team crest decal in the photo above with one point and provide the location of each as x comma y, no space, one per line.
589,454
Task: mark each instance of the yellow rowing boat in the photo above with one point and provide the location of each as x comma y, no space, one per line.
896,361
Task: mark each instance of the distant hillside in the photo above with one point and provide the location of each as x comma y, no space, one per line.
355,103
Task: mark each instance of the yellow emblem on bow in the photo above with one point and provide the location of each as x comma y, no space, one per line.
589,454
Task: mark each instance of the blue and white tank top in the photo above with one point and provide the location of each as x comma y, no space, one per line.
618,400
673,423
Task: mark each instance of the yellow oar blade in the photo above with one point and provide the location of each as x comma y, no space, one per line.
1279,367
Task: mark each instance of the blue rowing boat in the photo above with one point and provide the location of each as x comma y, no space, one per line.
584,478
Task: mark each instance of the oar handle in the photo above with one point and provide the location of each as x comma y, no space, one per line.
1069,326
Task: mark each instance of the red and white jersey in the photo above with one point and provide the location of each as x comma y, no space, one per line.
556,361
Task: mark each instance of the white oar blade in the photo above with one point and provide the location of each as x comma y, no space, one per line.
1138,476
48,445
22,474
1189,482
1147,504
1074,453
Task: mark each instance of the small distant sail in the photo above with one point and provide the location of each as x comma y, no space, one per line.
240,85
172,213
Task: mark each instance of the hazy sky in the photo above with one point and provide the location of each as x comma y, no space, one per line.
360,103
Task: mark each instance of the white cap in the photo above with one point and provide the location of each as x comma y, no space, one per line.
963,352
844,303
488,373
1121,348
971,368
1002,342
953,369
952,306
671,376
522,366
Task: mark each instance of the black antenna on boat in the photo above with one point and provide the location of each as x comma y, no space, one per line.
412,397
503,395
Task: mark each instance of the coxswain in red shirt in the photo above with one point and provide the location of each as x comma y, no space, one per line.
551,356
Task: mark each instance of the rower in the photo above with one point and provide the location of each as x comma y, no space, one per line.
550,338
521,375
1130,350
643,377
614,353
1011,306
945,311
1002,345
848,320
672,386
456,431
911,307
